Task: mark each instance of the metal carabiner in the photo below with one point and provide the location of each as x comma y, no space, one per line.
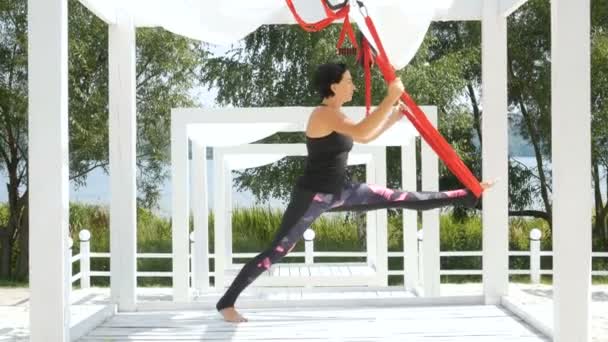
362,8
337,6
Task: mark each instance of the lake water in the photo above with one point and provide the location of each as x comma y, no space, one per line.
98,185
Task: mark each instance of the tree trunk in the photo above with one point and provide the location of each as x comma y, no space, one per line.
599,224
23,265
361,226
476,112
535,140
5,256
14,212
601,228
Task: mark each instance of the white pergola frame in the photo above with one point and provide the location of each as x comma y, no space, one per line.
375,160
375,166
48,161
190,124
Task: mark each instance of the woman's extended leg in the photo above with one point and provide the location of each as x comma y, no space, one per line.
362,197
303,209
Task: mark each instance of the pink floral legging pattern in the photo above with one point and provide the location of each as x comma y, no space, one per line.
305,206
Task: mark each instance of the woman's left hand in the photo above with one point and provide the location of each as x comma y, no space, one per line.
400,108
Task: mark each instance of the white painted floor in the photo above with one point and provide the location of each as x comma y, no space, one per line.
430,323
378,310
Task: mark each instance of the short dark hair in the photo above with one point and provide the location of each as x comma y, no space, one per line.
326,75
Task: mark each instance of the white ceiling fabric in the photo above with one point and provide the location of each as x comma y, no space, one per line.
401,24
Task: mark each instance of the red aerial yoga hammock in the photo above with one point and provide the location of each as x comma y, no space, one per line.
417,117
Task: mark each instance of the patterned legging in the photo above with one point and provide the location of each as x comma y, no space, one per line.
305,206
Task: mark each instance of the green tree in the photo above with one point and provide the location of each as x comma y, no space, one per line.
599,124
529,96
166,74
13,130
274,65
529,68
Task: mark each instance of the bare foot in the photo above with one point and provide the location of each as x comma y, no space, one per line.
488,184
231,315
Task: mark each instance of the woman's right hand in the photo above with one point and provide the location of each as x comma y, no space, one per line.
395,89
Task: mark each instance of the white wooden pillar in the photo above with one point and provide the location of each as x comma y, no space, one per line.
430,218
180,210
381,221
371,217
219,225
200,211
495,152
571,156
228,213
48,169
123,188
410,217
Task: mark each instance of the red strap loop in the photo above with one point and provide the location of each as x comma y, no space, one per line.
321,24
347,29
368,59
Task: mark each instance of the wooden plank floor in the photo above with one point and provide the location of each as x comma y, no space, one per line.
318,274
474,323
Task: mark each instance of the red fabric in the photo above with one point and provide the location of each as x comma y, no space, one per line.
424,126
321,24
347,29
367,61
417,116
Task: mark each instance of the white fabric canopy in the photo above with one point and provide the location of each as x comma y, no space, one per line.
400,24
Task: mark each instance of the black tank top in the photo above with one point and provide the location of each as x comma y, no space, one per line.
325,169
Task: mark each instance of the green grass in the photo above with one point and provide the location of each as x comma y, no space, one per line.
254,228
12,283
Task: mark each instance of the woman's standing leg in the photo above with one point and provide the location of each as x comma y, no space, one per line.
303,209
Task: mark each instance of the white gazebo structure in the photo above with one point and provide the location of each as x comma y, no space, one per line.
237,126
255,155
402,26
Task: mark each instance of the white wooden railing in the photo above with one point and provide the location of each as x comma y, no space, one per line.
309,254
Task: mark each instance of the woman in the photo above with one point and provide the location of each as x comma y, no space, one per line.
322,187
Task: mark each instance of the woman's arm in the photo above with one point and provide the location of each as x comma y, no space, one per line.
390,121
372,124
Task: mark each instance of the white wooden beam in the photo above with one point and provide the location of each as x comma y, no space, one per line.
410,217
495,153
123,188
295,149
571,156
381,221
106,13
430,218
48,169
219,222
200,212
371,219
507,7
294,118
228,211
180,210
